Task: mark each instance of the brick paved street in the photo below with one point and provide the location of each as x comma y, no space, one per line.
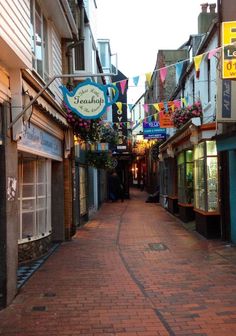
133,270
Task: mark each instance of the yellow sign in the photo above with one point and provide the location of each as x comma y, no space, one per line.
229,51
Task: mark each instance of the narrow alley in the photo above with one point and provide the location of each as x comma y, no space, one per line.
132,270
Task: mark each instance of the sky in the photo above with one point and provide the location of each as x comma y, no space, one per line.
138,29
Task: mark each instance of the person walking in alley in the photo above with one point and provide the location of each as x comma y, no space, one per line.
115,188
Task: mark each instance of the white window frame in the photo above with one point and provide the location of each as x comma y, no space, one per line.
35,198
44,74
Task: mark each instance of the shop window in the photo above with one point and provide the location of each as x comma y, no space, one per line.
206,177
34,176
185,177
83,190
39,40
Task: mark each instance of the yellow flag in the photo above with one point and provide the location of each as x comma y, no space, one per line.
197,61
119,105
148,77
155,116
156,105
184,101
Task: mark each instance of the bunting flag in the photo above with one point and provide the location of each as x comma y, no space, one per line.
156,106
197,62
123,85
119,106
130,106
177,103
155,116
148,76
163,74
145,106
136,80
184,102
213,52
178,70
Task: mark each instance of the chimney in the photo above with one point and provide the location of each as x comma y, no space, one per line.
212,8
204,7
205,18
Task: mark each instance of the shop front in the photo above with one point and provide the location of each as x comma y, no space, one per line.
197,177
185,185
40,189
206,200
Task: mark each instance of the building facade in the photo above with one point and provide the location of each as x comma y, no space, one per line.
36,140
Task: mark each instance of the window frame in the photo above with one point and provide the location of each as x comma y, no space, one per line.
37,15
39,229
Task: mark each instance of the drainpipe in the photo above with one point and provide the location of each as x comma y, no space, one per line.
75,44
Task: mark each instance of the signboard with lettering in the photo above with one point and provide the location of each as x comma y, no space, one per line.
226,103
89,100
152,130
229,50
37,141
165,120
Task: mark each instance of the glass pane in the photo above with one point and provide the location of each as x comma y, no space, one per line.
189,183
41,203
28,190
28,171
28,205
199,185
180,158
212,183
41,221
199,151
189,156
27,224
41,189
181,183
41,171
211,148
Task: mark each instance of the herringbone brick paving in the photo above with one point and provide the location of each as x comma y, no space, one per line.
133,270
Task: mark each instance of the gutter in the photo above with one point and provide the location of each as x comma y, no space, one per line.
70,17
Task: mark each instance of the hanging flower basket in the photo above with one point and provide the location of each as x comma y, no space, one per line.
181,116
101,160
85,129
108,134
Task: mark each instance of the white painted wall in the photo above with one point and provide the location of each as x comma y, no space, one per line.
15,39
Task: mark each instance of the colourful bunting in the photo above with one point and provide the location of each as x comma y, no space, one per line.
178,69
136,80
213,52
123,85
148,77
130,106
197,61
156,106
163,74
145,106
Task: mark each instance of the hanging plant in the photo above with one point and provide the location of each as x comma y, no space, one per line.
108,134
101,160
86,129
182,115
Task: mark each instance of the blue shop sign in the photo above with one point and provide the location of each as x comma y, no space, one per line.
39,142
152,130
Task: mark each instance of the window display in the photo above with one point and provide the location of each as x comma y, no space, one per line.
34,175
206,177
185,177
